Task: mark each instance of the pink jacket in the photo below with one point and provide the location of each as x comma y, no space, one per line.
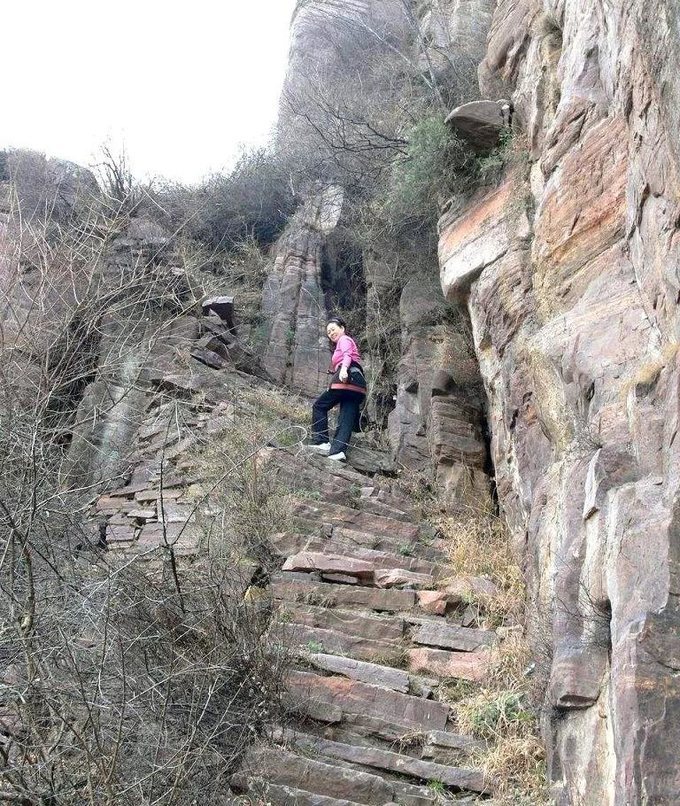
345,352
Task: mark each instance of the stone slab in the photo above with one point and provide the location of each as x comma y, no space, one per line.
298,587
454,777
385,676
447,636
361,699
465,665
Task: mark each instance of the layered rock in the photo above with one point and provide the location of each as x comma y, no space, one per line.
569,273
293,301
369,653
437,423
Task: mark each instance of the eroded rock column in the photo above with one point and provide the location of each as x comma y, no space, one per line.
293,302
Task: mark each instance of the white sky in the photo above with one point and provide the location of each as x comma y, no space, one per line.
181,88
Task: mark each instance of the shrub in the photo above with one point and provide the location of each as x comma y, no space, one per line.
246,501
253,201
126,694
437,163
138,680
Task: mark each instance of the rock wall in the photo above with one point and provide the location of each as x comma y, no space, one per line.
437,425
293,302
569,269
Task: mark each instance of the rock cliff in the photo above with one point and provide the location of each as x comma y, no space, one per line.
569,272
567,267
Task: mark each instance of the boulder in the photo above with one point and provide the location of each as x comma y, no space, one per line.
222,306
480,123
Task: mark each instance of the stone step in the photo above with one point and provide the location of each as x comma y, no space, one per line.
351,622
373,673
284,768
457,778
402,577
319,467
440,745
367,571
387,543
319,639
440,663
360,700
315,561
339,515
293,587
290,796
446,636
289,543
279,772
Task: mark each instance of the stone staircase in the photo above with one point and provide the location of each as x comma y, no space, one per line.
364,603
362,600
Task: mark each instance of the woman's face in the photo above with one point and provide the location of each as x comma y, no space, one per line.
334,331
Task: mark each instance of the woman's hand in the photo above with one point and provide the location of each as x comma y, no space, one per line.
343,375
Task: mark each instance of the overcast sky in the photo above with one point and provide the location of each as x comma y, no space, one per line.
180,87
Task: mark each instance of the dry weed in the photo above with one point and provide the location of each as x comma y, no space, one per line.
245,501
501,712
479,545
517,764
275,405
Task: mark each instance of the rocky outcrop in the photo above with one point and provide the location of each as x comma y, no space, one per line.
293,301
480,122
569,273
436,426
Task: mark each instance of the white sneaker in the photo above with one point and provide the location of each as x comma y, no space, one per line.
324,448
338,457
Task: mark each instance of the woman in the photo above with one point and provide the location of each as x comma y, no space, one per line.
347,389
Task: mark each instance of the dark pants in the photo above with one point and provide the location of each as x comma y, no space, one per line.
348,417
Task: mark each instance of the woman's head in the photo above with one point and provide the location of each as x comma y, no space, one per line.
335,328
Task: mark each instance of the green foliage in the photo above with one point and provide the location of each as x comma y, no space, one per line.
314,646
437,787
436,162
490,717
490,166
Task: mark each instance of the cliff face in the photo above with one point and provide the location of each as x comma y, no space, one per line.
570,273
568,268
293,301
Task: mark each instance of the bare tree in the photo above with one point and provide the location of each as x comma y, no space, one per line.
126,679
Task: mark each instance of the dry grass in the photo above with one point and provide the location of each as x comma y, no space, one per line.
501,710
501,713
275,405
244,497
478,545
518,765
